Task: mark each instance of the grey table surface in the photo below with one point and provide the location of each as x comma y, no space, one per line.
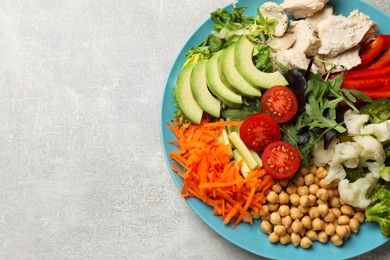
82,170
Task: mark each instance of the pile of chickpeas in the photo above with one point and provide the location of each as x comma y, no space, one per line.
308,210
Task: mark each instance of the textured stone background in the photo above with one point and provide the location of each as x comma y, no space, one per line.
82,172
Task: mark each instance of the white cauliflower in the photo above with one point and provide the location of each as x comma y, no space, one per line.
347,153
335,171
354,121
322,157
380,131
372,150
374,167
357,193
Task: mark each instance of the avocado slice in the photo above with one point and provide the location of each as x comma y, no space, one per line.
234,77
202,95
184,96
217,86
244,64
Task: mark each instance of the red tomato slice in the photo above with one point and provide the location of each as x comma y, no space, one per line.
259,130
281,160
280,103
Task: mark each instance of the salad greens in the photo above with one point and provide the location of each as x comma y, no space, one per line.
321,114
228,28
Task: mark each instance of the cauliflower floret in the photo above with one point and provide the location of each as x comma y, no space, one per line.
374,168
356,193
335,171
372,150
380,131
347,153
322,157
354,121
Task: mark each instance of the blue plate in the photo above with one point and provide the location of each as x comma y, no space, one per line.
250,237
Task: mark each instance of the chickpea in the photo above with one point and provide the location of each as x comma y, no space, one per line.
343,220
287,221
312,235
334,202
330,194
266,227
284,210
275,218
323,237
341,201
323,209
322,194
255,214
272,197
309,179
294,199
317,224
284,182
342,231
266,217
347,210
304,201
306,221
297,226
273,207
312,200
273,238
336,240
313,212
306,242
334,185
321,172
284,198
330,229
299,181
277,188
292,188
295,213
313,169
354,225
304,210
280,230
313,188
330,217
323,184
295,239
303,190
316,180
337,212
265,210
285,239
359,216
304,171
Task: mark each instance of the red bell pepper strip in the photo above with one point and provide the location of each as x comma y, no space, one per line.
386,39
367,73
371,50
382,61
383,92
370,83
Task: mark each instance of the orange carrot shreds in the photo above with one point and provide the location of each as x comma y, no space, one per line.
209,175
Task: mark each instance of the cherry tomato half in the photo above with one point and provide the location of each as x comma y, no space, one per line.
281,159
259,130
280,103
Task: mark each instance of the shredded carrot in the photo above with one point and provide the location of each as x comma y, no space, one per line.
209,175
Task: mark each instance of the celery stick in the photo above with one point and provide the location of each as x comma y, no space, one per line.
243,150
244,168
257,158
223,138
